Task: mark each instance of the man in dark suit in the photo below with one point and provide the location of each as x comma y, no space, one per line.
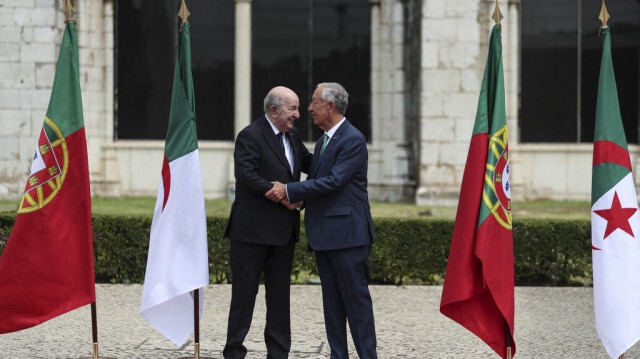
338,222
263,233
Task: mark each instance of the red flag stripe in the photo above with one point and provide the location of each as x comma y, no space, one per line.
37,285
610,152
166,180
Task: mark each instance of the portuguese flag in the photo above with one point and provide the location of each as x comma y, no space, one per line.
478,286
47,265
178,261
615,221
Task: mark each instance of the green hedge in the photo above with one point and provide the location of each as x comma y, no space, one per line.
547,252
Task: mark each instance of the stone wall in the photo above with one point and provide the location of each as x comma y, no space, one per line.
427,62
455,37
31,33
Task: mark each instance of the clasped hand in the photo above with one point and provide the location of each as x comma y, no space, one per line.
278,193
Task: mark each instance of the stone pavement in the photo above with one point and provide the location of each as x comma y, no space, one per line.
550,323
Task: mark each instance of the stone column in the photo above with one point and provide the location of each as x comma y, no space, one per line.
242,65
109,181
389,152
375,67
513,67
108,126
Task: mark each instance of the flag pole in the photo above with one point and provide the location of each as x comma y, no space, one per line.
69,12
508,336
196,326
604,18
196,323
94,327
497,17
184,15
94,331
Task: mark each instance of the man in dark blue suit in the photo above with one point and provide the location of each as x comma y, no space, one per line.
338,222
263,233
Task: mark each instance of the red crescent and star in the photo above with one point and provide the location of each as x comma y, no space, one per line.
617,217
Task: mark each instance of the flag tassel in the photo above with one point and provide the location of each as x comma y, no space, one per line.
621,356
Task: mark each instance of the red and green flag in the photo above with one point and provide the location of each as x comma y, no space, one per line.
479,282
46,268
178,260
615,221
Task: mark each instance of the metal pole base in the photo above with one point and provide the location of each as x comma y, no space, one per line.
196,354
95,354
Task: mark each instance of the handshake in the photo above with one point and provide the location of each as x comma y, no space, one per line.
278,193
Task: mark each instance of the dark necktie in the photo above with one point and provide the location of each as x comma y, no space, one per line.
280,137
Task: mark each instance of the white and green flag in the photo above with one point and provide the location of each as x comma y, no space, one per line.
178,258
615,221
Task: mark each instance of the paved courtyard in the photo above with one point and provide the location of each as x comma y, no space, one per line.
550,323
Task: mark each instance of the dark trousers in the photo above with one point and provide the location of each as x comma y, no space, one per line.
344,275
248,262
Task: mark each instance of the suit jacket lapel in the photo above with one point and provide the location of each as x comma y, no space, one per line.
315,160
331,146
274,143
294,152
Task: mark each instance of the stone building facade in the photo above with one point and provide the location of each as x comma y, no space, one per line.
427,60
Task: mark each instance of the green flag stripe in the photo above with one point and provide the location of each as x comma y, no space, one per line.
65,104
181,135
608,125
608,119
605,176
491,113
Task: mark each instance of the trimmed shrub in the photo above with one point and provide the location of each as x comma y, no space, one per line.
410,250
406,251
552,252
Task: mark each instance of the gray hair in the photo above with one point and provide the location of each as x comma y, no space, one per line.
335,93
272,99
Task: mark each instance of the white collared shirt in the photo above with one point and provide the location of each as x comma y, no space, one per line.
329,134
287,145
333,130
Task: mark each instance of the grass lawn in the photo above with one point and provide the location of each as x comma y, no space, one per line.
220,207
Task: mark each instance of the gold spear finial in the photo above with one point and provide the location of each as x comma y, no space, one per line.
604,15
497,15
184,12
68,11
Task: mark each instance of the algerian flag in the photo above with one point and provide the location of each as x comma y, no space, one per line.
615,221
178,257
